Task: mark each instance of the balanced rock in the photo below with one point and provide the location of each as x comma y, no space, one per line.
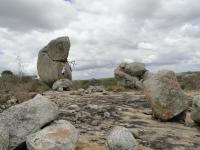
26,118
52,62
196,109
121,138
165,95
4,137
60,135
62,84
130,75
134,69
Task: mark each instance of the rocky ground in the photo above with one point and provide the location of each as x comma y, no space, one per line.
95,114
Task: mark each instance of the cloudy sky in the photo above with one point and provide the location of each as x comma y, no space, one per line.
163,34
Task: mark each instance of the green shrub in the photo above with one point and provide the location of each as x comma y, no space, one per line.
6,72
189,80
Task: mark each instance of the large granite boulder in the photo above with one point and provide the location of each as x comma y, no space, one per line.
60,135
130,75
134,69
121,138
4,137
52,62
196,109
27,118
62,85
165,95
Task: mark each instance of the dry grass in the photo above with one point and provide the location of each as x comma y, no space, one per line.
21,88
189,81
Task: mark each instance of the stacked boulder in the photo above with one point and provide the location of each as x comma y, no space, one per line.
52,62
131,75
25,119
165,95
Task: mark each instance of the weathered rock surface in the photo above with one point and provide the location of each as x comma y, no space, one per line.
51,60
196,109
165,96
128,109
26,118
130,75
90,90
134,69
4,138
60,135
93,89
62,84
121,138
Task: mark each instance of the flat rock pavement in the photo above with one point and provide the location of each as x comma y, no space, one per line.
96,114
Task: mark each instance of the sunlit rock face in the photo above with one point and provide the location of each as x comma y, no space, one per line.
165,95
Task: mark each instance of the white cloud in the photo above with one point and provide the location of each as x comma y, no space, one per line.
164,34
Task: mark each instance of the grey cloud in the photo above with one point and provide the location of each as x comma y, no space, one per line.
1,52
103,33
23,15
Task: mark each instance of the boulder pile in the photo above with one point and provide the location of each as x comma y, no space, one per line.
131,75
165,95
52,62
22,120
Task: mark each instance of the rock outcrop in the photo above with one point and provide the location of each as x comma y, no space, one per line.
4,138
165,95
52,62
121,138
27,118
60,135
129,109
196,109
62,85
130,75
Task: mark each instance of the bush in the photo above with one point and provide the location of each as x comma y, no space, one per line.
6,72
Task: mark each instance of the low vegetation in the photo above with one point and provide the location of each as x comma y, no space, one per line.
22,88
110,84
25,87
189,80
